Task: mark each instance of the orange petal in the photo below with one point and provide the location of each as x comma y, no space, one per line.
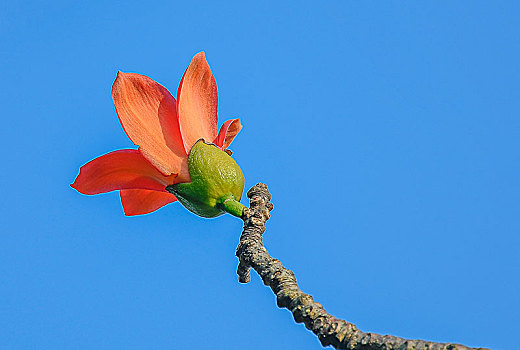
122,169
227,133
148,114
138,202
197,103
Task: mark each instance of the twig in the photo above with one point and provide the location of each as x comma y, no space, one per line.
329,329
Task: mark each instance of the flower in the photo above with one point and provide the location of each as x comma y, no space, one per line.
165,131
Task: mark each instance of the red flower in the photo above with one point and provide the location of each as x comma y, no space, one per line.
165,130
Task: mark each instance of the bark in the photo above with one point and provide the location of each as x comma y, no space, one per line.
330,330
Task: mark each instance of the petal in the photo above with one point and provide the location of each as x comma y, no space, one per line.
122,169
138,202
227,132
148,114
197,103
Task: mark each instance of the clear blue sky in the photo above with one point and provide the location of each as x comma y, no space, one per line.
387,131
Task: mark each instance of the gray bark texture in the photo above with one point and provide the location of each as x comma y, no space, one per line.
330,330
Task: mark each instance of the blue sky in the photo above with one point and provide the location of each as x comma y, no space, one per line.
387,131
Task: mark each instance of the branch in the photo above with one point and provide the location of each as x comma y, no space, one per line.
329,329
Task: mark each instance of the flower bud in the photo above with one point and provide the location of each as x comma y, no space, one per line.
216,182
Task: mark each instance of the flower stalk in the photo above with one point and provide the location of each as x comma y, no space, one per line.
233,207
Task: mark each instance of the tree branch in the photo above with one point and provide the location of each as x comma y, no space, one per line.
329,329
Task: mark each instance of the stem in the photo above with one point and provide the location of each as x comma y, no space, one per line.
233,207
329,329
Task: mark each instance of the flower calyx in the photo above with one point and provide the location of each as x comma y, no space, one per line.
216,183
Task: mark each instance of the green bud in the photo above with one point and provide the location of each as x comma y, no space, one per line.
216,182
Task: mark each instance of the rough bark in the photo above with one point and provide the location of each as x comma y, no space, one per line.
330,330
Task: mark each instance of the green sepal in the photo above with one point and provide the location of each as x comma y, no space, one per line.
216,182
